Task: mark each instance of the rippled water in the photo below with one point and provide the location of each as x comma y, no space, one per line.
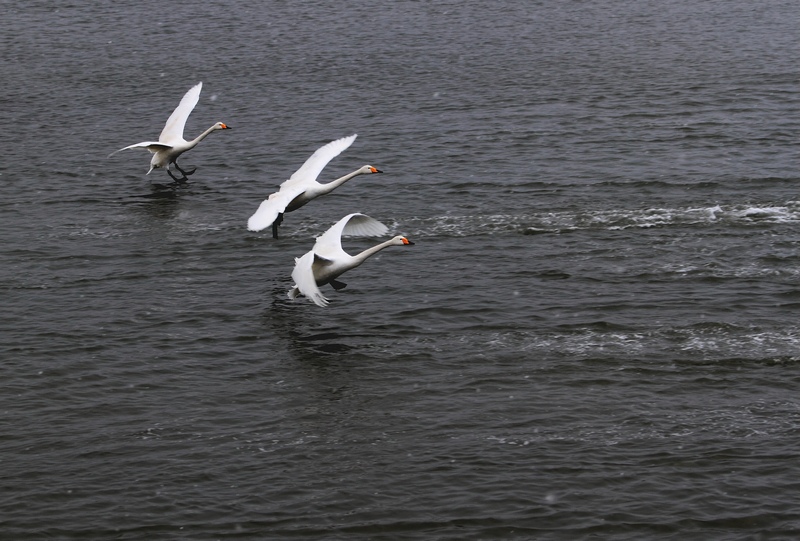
594,337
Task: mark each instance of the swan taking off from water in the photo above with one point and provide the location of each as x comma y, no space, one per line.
171,143
302,187
327,260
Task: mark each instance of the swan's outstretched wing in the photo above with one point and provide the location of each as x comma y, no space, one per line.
173,129
329,244
303,276
152,146
361,225
269,208
310,170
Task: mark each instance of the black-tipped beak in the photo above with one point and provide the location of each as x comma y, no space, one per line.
376,170
408,243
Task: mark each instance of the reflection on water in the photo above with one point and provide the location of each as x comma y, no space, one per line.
291,322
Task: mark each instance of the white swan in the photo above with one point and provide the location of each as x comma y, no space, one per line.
171,143
327,260
302,187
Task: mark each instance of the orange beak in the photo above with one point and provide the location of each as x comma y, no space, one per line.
407,242
374,170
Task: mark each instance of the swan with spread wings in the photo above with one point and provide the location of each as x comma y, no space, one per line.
171,144
324,263
302,187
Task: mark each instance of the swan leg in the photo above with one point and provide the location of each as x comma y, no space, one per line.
337,285
179,180
184,172
278,221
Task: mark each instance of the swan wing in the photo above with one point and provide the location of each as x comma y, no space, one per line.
152,146
269,208
314,165
361,225
329,244
173,129
303,276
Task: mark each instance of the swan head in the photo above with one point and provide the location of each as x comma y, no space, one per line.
400,240
367,169
221,126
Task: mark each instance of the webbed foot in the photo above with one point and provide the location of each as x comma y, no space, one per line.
179,180
188,171
337,285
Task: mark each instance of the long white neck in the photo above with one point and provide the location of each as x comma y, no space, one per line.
369,252
332,185
193,142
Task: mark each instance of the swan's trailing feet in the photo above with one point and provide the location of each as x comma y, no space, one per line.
171,144
302,187
327,260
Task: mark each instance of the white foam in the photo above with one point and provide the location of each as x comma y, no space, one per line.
609,219
691,343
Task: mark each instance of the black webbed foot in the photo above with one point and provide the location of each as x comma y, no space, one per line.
179,180
185,172
337,285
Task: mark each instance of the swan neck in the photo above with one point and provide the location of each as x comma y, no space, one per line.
200,137
369,252
339,181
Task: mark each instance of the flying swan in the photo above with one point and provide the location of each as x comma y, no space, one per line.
327,260
171,144
302,187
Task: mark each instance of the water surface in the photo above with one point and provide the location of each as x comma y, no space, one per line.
594,336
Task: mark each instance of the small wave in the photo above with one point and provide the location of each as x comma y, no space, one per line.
614,219
695,343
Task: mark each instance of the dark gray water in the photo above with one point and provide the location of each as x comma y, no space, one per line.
594,337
